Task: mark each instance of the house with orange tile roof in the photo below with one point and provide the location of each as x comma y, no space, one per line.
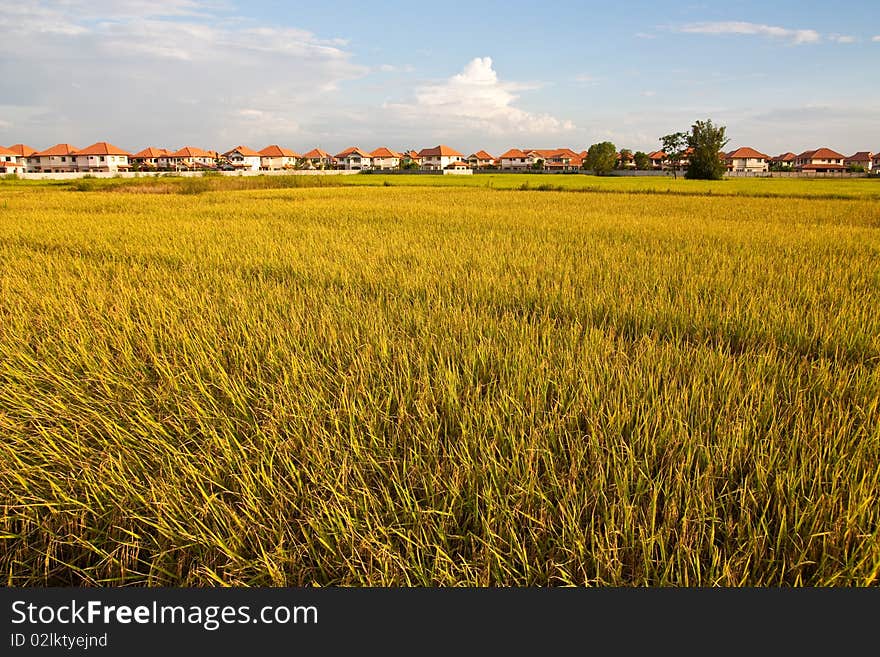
189,158
318,159
10,162
458,166
784,160
658,159
353,159
438,157
481,160
60,158
747,159
555,159
384,159
243,158
411,159
149,158
514,160
102,157
864,159
275,158
26,156
875,162
821,160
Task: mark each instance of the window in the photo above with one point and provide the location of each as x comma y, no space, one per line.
102,158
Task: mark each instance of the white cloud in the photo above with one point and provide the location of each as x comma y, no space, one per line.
164,73
795,36
587,79
843,38
649,94
476,100
876,39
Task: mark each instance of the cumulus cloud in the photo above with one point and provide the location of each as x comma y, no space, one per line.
795,36
162,72
477,100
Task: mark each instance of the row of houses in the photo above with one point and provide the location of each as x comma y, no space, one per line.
747,159
106,158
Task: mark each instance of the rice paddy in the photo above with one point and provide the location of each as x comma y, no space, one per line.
438,381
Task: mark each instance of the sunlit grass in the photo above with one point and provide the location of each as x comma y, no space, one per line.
438,386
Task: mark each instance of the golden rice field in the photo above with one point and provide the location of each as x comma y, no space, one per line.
395,381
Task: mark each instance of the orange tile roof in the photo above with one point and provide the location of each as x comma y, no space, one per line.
102,148
746,152
441,151
657,155
459,163
382,151
785,157
57,149
242,150
861,156
512,153
348,151
356,151
150,152
7,151
316,153
22,151
276,151
812,167
826,154
413,155
190,151
481,155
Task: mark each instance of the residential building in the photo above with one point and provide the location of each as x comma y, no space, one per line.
149,158
481,160
875,162
786,160
821,160
189,158
353,159
275,158
514,160
556,159
102,157
439,157
626,160
60,158
10,162
864,159
411,158
658,160
458,166
318,159
747,159
243,158
385,159
26,156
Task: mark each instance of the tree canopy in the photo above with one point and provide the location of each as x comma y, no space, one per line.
602,158
674,147
707,141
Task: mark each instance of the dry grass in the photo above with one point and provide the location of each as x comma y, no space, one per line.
447,386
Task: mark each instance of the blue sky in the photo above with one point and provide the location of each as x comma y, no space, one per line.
214,73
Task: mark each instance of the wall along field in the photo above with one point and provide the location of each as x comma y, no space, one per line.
439,385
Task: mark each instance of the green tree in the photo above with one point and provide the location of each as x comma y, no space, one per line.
707,141
626,155
601,158
674,146
643,162
538,165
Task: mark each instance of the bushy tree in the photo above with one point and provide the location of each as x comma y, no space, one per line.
707,141
643,162
674,146
602,158
625,156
